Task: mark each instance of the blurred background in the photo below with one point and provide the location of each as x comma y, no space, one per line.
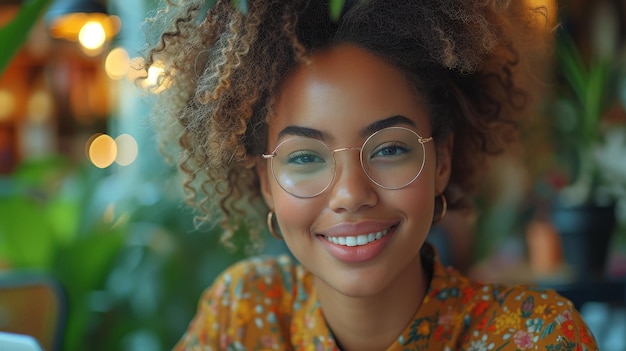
98,251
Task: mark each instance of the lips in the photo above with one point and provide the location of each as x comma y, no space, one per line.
358,240
357,248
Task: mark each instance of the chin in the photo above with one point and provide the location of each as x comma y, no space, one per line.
357,284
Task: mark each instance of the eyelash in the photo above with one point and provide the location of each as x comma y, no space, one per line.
296,157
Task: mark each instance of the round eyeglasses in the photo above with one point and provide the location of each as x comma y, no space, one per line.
305,167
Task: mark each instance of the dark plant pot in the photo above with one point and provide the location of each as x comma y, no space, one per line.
585,231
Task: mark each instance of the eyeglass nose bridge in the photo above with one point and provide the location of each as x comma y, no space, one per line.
359,149
333,152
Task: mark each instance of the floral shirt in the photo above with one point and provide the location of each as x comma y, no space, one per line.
270,304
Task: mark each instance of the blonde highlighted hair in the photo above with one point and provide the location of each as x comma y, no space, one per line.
223,68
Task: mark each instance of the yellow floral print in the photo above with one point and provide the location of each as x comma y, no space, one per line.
271,304
508,321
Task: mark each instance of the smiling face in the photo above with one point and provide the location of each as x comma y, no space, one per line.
356,237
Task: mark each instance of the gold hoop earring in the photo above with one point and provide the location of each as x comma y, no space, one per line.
444,208
270,225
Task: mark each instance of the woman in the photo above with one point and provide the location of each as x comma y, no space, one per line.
357,134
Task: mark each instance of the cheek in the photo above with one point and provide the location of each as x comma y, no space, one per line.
294,215
418,199
295,218
416,202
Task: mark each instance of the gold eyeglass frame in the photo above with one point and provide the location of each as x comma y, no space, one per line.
420,139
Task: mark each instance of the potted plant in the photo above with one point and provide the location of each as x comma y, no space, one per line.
591,152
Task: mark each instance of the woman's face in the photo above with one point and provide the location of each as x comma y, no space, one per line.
343,95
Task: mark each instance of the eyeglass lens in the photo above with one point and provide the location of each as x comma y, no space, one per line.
392,158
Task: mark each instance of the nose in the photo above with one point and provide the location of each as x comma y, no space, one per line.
351,189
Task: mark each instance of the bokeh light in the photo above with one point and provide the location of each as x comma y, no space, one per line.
102,151
117,63
40,106
136,69
155,80
154,74
68,26
92,35
127,150
7,104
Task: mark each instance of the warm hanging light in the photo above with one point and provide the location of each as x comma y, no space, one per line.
85,21
92,35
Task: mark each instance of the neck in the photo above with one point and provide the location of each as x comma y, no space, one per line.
374,322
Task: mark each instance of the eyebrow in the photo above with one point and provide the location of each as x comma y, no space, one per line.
386,123
365,132
303,132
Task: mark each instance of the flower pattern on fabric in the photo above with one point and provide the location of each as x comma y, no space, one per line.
271,304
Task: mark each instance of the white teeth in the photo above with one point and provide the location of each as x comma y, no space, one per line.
362,239
356,240
351,241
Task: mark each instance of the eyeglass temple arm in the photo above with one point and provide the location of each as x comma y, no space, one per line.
424,140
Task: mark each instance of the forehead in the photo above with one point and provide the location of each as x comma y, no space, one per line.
342,90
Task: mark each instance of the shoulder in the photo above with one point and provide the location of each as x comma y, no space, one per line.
262,277
505,317
529,316
251,300
524,317
261,269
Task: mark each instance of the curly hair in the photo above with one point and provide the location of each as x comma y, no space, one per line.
223,67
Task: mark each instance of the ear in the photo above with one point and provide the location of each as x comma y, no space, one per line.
263,174
444,163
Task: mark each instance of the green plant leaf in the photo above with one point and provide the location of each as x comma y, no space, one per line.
242,4
26,240
15,33
588,83
598,74
572,66
336,6
82,267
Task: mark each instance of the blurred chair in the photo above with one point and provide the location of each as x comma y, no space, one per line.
34,305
